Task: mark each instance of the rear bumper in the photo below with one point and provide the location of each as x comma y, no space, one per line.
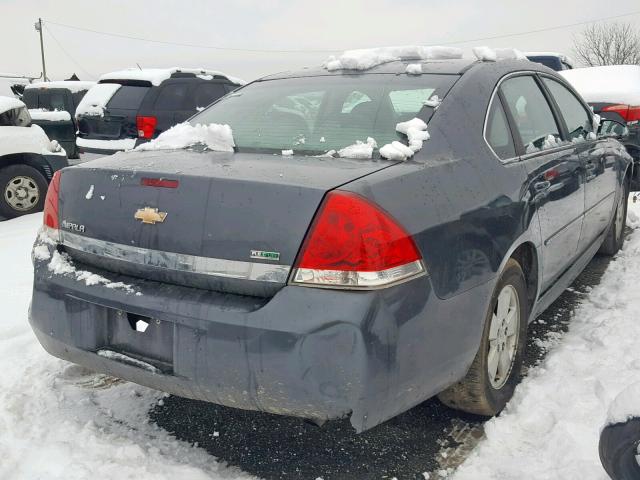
306,352
104,147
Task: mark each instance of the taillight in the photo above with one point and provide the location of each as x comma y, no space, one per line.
353,243
51,203
146,126
628,112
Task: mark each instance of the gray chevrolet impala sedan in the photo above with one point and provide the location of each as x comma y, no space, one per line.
293,275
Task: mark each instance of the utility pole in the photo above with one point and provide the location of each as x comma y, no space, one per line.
38,26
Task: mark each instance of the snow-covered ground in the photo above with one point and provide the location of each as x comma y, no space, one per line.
58,421
61,421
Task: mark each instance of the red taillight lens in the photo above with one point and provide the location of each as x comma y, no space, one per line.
629,113
354,243
50,218
146,126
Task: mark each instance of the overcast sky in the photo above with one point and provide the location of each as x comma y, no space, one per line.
271,25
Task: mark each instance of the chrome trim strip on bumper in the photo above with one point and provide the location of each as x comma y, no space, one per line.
216,267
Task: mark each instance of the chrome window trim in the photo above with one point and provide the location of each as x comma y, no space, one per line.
178,262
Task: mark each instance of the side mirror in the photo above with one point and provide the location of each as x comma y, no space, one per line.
611,128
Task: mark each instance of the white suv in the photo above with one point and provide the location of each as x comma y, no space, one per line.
28,160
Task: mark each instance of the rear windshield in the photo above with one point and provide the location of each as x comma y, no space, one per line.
49,99
317,114
127,98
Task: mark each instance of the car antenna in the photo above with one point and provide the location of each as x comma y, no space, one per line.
139,66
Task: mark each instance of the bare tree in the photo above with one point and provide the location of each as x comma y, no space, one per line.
608,44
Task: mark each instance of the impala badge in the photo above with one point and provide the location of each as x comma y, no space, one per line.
150,215
265,255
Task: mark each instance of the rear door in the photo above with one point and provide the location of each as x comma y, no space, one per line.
119,119
599,157
555,170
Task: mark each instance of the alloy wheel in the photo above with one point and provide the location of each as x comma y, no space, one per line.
503,337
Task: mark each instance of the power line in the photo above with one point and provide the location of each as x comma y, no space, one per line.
251,50
67,53
540,30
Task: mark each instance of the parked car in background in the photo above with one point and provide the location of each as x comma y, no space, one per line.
613,93
28,160
320,255
52,105
130,107
554,60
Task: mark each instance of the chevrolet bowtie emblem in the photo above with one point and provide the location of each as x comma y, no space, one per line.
150,215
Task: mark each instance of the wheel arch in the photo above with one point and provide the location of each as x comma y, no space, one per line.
32,160
526,255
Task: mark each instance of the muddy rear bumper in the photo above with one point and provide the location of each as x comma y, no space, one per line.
312,353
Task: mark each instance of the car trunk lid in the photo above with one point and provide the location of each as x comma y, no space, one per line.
224,221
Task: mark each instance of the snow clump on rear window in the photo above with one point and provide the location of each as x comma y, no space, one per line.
416,132
487,54
364,59
359,149
213,136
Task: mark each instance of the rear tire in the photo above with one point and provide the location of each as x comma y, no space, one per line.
618,449
615,236
22,190
496,368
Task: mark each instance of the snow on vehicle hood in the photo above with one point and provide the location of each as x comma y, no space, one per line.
608,84
9,103
364,59
27,140
214,136
96,99
158,75
49,115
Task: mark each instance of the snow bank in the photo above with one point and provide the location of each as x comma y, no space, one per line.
72,86
95,100
364,59
551,427
625,406
609,84
214,136
359,149
60,421
51,116
487,54
416,132
9,103
158,75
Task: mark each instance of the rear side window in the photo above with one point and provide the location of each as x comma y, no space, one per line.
574,113
172,97
532,114
128,97
498,134
207,93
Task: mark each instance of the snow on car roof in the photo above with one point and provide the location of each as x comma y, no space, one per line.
9,103
71,85
366,58
565,58
157,75
608,84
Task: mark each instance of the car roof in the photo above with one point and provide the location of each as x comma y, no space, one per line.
443,67
71,85
156,76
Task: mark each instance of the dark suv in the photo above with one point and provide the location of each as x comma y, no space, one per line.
130,107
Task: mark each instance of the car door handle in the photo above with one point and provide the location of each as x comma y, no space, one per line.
540,186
